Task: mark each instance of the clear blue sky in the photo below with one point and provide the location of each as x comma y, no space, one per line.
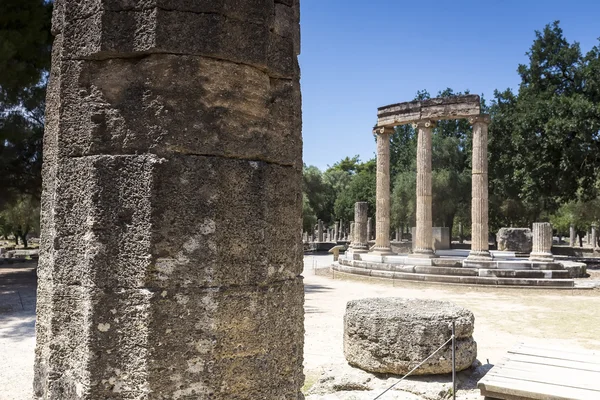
360,55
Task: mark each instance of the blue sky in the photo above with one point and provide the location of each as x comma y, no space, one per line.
360,55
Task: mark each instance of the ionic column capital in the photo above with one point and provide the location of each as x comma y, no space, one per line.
480,119
383,130
426,123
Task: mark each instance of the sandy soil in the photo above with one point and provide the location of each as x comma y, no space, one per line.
503,316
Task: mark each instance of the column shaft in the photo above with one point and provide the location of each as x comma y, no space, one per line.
423,245
479,199
382,239
359,242
542,242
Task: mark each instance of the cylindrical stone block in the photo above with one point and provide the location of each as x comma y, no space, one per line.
382,231
423,245
170,258
360,243
542,242
479,197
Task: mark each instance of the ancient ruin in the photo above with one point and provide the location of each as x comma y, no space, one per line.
170,262
393,335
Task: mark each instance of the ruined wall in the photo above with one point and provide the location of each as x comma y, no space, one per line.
170,258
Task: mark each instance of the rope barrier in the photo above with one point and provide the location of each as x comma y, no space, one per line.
415,368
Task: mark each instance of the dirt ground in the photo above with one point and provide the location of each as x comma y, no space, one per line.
503,317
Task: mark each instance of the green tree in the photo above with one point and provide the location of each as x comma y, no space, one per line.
25,44
21,217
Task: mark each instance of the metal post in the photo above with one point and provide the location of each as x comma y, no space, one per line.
453,361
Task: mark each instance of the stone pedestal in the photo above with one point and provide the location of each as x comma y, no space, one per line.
382,230
170,258
320,231
542,242
423,238
479,197
359,242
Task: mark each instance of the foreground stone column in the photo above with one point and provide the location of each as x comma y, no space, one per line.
542,242
369,228
479,193
360,243
423,246
382,210
170,261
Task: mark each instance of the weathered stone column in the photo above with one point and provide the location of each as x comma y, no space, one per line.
594,237
369,228
542,242
320,231
382,210
572,236
170,258
479,197
359,242
351,236
460,233
335,231
423,246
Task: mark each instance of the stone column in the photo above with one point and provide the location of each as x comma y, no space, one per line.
335,231
594,237
572,236
460,233
423,246
369,228
382,211
170,258
360,244
320,231
479,198
542,242
351,236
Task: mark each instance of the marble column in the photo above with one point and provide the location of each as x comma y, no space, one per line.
594,237
359,240
542,242
460,233
382,230
335,231
572,236
351,236
369,228
479,193
423,246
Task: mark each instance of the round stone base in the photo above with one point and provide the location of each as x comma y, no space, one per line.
393,335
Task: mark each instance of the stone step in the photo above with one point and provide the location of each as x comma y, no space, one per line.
466,280
452,271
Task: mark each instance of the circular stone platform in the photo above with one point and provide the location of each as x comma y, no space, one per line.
393,335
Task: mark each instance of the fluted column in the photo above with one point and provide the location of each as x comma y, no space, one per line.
479,200
382,231
423,246
572,236
542,242
359,239
369,228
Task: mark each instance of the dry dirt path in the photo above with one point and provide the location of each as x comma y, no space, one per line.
503,316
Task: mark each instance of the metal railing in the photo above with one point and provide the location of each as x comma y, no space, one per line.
453,340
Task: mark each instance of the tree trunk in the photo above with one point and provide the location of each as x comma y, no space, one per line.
24,240
16,235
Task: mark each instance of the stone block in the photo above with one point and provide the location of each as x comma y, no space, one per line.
393,335
131,342
519,240
138,106
135,221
